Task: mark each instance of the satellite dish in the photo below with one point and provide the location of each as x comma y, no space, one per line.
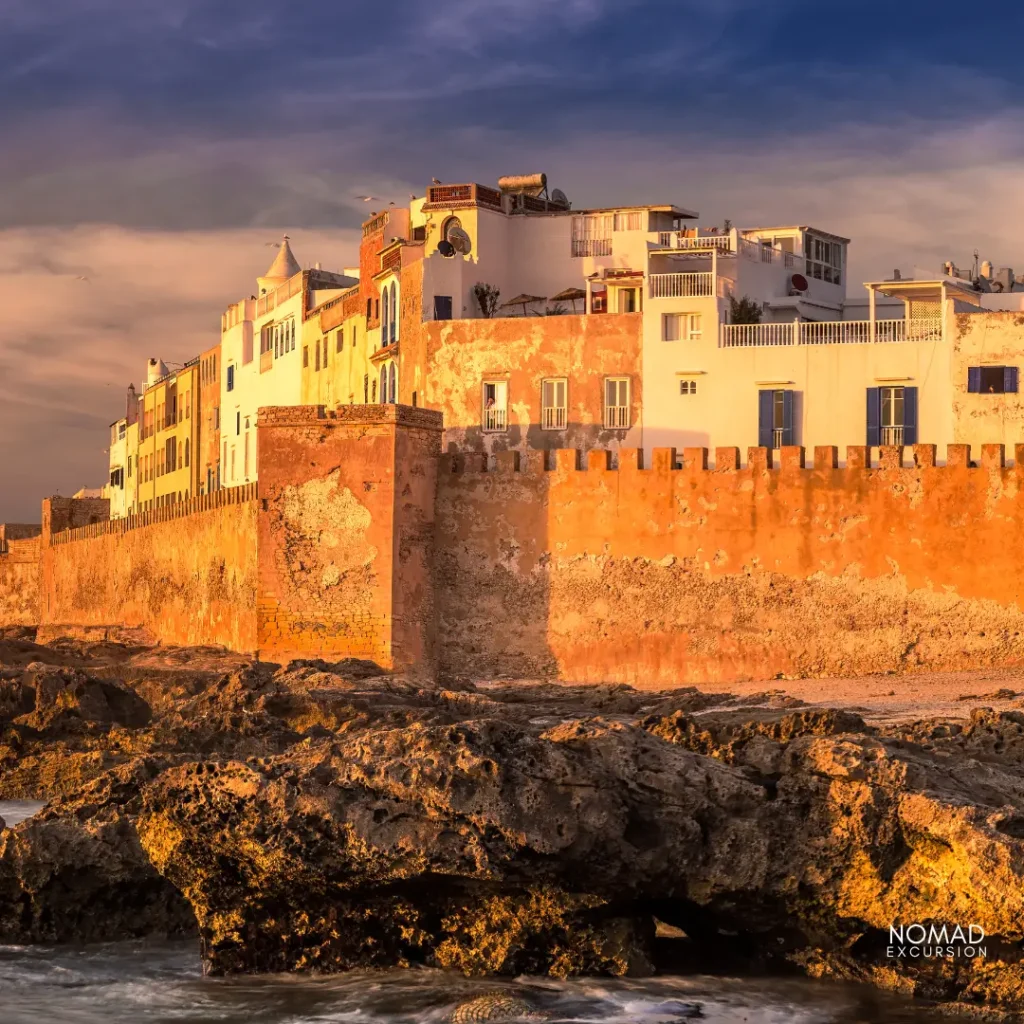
799,282
446,249
558,196
460,241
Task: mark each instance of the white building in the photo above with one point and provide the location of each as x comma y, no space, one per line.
261,354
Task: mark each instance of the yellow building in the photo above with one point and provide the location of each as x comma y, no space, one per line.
336,368
166,469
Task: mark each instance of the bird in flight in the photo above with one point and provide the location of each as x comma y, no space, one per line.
436,181
366,199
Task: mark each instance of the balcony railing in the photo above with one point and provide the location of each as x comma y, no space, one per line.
833,332
495,419
553,417
681,286
469,194
892,435
591,247
679,240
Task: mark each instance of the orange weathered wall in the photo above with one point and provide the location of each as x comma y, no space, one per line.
185,574
661,576
19,577
445,363
346,534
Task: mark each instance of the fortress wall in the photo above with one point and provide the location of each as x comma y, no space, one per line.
661,576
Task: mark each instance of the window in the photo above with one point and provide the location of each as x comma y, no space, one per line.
325,352
188,447
775,418
553,406
305,355
413,405
394,312
419,234
317,346
384,318
627,300
824,259
591,235
442,307
383,384
687,387
891,416
679,326
495,402
188,405
373,392
392,384
366,388
238,423
632,221
245,455
369,308
353,335
992,380
231,377
616,403
216,417
130,466
339,341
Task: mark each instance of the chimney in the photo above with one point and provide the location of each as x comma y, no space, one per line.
896,275
316,266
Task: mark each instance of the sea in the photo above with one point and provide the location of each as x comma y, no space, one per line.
162,983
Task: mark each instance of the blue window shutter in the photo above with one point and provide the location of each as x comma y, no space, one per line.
787,418
910,415
1010,379
974,380
765,408
874,417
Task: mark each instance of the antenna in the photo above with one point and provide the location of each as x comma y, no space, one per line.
975,274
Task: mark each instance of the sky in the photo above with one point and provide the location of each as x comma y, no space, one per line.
150,149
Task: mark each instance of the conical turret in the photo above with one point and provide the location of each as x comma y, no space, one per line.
285,266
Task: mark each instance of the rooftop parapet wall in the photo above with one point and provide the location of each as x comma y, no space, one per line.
670,575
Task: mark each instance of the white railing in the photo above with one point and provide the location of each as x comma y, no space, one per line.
681,286
553,417
778,436
746,335
760,253
831,332
678,240
616,417
591,247
892,435
494,419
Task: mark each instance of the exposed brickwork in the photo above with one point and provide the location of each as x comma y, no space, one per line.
345,533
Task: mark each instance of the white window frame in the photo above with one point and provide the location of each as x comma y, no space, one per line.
554,416
495,419
681,326
618,416
688,386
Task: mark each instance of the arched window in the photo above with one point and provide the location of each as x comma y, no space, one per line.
384,317
373,392
383,384
391,384
394,313
451,222
369,308
187,447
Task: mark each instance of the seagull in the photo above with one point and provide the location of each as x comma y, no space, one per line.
81,277
366,199
412,195
436,181
391,204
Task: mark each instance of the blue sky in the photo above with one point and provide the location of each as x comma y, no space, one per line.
161,144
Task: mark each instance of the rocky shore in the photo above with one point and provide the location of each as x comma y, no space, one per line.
326,817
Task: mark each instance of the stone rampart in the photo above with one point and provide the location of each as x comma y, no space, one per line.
674,575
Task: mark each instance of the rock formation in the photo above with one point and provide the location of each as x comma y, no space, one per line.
327,817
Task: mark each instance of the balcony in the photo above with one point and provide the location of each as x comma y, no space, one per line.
837,332
495,420
681,286
591,247
682,240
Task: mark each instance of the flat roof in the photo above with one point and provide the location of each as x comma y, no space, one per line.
798,227
915,284
676,211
